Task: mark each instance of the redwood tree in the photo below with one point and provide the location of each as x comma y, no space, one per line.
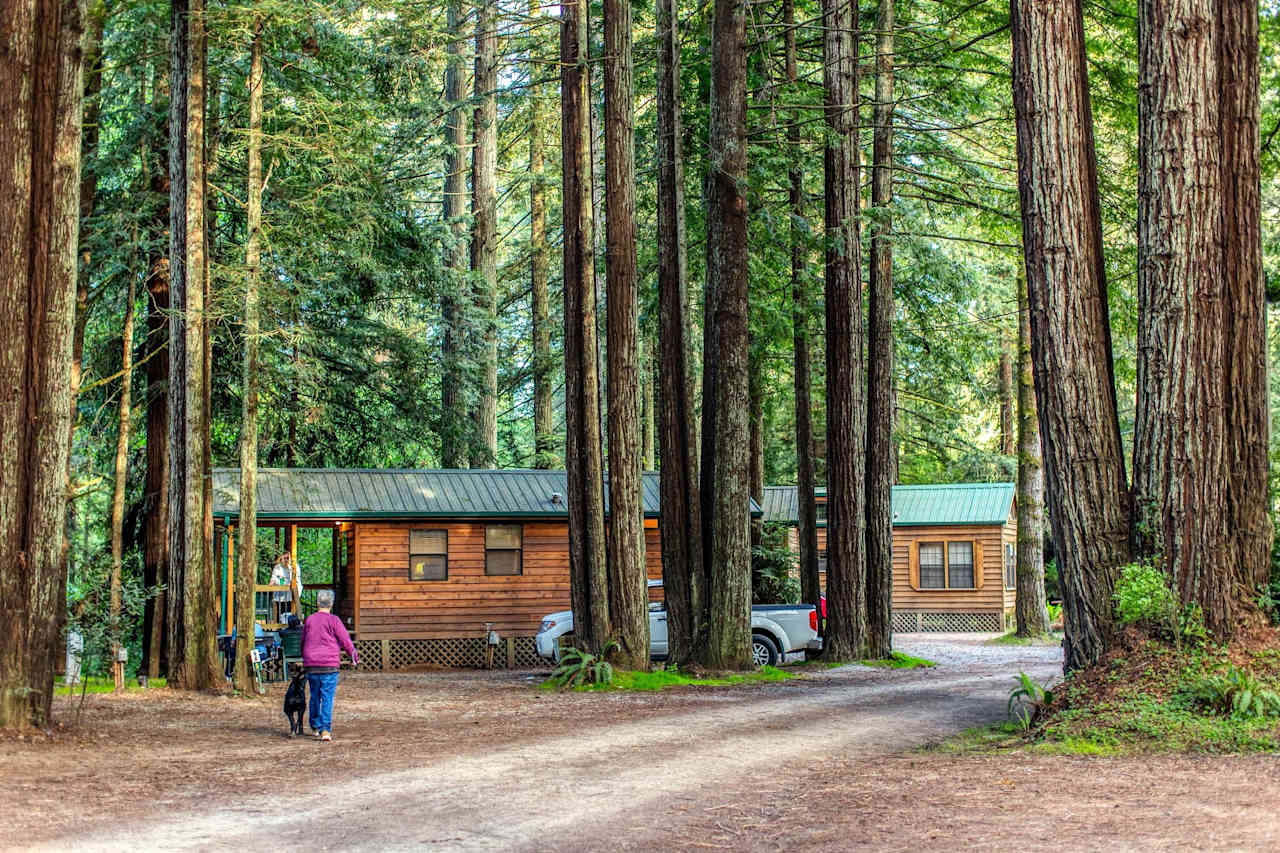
1201,341
191,609
40,103
628,589
247,557
1031,613
684,578
544,439
1070,328
846,428
455,427
583,462
807,527
484,228
881,470
725,499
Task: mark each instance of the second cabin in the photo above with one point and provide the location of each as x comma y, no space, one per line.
954,552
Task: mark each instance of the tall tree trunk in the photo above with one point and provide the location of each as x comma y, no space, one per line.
95,20
192,632
680,523
1248,412
807,527
455,426
544,438
628,579
247,559
1070,327
846,427
583,460
881,471
155,551
1191,215
484,232
1030,610
755,465
41,88
121,476
649,429
1006,398
725,408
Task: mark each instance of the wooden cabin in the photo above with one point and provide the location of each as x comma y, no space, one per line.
427,563
954,550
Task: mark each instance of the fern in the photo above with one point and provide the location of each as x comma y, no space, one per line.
578,668
1236,693
1028,700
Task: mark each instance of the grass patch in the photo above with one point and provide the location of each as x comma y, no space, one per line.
898,660
99,684
1012,639
664,679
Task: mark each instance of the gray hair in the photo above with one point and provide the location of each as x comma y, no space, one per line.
324,598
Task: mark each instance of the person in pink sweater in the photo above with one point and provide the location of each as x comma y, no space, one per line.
324,638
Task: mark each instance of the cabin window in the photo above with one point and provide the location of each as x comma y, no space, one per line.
946,565
1010,567
933,567
428,555
502,549
960,565
820,512
822,560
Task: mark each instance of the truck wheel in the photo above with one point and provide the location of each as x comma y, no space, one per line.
764,652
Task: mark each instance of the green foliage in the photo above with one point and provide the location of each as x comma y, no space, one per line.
1052,586
1237,693
1028,700
1143,597
1055,613
773,578
578,668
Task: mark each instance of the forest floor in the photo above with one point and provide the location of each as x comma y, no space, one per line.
485,760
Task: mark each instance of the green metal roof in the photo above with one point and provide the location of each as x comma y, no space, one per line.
345,493
942,504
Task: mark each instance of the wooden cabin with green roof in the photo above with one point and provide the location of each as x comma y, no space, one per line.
954,550
425,563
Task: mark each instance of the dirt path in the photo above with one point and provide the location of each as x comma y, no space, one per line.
479,761
540,789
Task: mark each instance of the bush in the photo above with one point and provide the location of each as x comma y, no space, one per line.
1143,597
578,668
1236,693
771,576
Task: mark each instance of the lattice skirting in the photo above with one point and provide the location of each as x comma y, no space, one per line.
456,652
909,622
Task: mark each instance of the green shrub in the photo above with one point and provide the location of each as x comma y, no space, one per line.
771,576
1236,693
1028,700
579,668
1143,597
1055,612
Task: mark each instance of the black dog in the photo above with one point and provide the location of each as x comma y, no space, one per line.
295,700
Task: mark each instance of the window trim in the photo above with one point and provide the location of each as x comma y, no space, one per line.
975,545
413,553
1011,566
519,552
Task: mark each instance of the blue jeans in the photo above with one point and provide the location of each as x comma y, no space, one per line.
323,686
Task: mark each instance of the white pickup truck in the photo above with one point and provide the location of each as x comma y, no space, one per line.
780,633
